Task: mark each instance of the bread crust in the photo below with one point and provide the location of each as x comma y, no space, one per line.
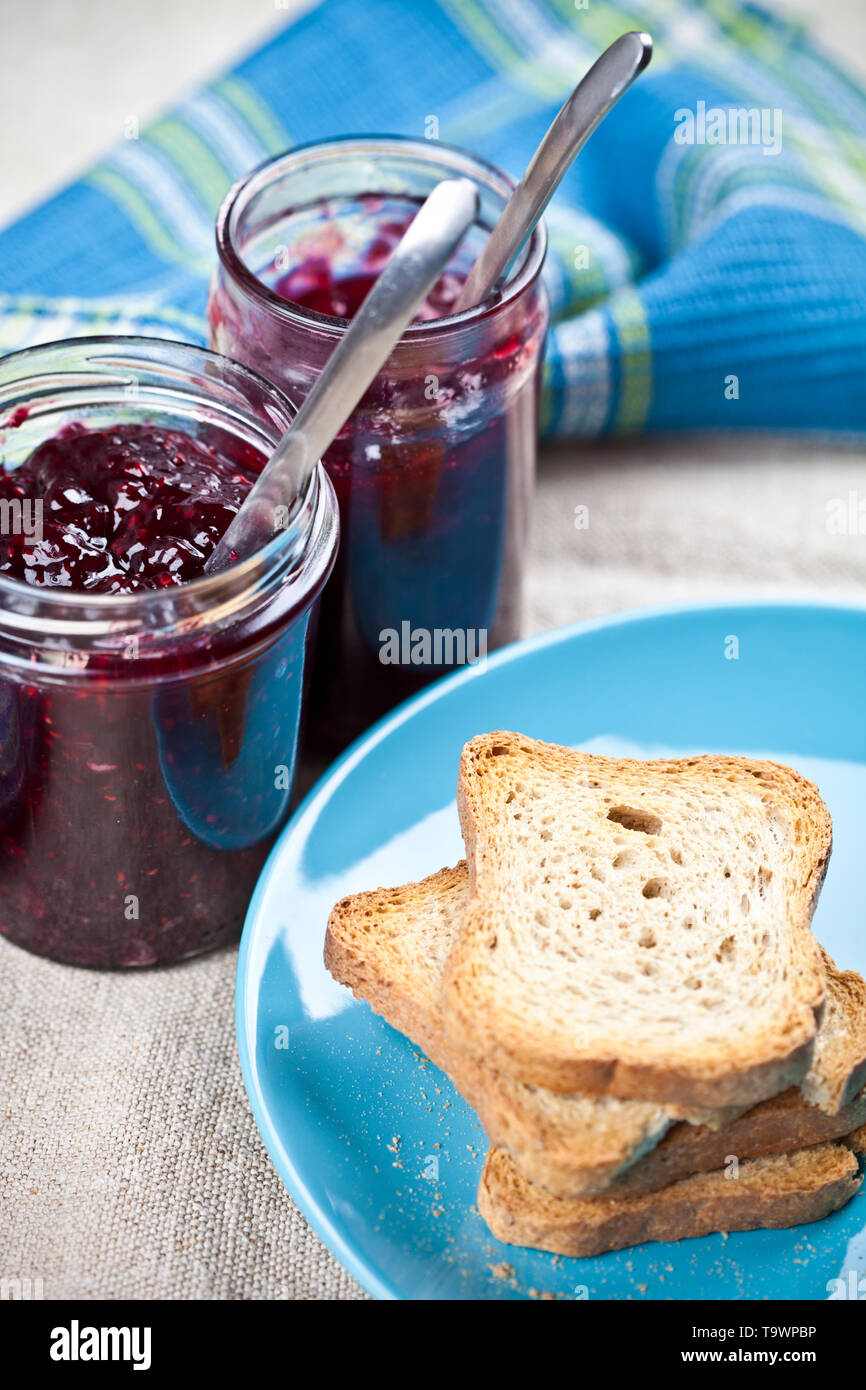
539,1053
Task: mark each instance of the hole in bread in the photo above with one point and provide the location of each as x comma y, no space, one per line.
694,983
657,888
677,856
647,937
764,876
632,818
624,859
594,913
597,874
745,905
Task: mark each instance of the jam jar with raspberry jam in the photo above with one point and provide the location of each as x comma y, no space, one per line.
149,714
434,471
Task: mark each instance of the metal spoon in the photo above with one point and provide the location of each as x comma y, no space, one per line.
610,76
412,270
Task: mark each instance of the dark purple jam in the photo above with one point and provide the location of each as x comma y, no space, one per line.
314,285
140,792
128,508
434,470
429,531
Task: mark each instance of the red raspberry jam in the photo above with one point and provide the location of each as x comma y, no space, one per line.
142,783
314,284
133,507
434,470
425,509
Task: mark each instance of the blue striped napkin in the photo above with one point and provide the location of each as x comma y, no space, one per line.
708,249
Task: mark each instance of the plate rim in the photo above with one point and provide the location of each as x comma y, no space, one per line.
363,1269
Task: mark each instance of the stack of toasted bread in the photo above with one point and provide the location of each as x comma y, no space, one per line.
622,980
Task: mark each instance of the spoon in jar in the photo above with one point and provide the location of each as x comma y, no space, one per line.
608,78
409,275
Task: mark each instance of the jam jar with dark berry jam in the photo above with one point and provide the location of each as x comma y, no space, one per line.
435,469
149,713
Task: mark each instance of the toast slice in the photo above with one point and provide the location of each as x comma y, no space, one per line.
390,947
827,1106
783,1190
782,1124
638,929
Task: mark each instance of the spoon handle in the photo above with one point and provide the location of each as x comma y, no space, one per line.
409,275
610,76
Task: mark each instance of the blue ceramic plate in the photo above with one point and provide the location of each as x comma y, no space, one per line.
372,1141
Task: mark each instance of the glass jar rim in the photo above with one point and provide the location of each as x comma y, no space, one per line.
522,276
40,606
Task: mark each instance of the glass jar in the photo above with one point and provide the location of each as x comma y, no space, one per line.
434,471
148,740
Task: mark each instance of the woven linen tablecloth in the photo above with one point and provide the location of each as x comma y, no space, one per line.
131,1164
